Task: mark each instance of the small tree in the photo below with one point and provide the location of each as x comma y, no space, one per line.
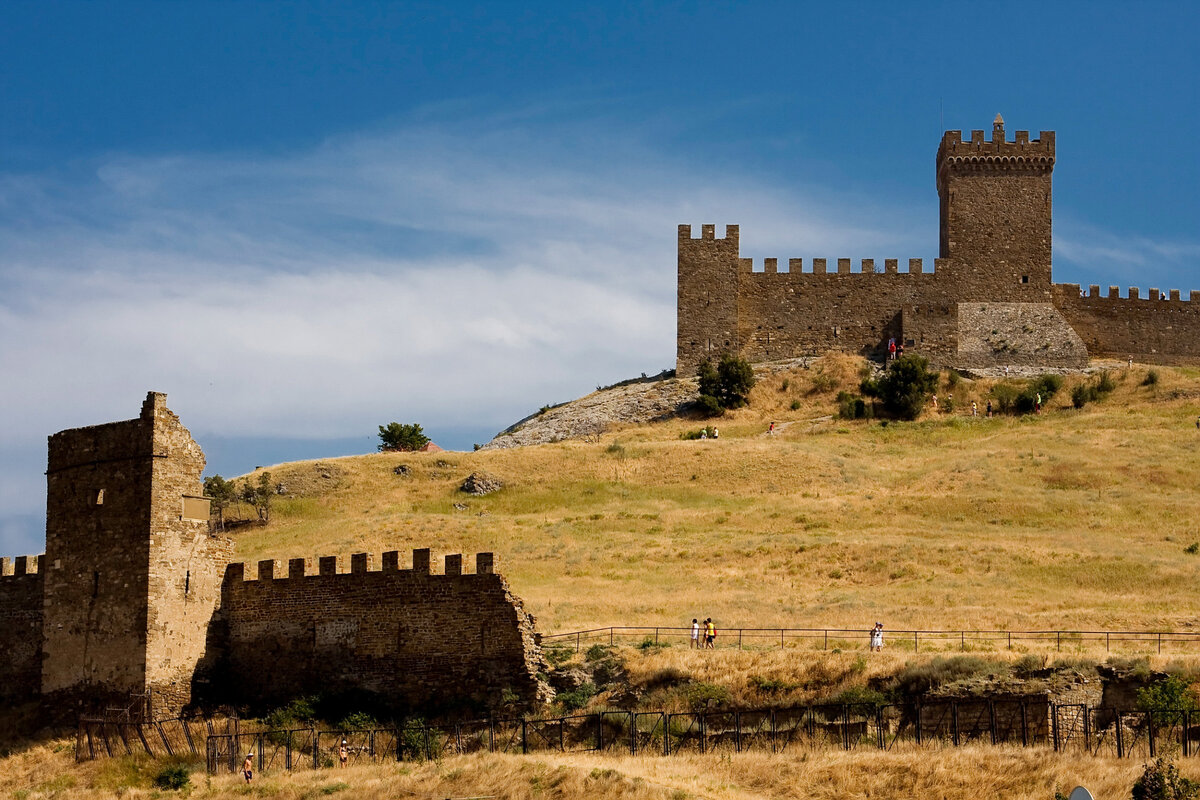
395,436
259,495
222,494
905,387
725,386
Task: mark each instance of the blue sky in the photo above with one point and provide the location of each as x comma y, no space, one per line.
303,220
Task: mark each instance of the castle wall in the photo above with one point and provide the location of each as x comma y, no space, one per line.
408,637
96,579
20,628
1155,328
186,563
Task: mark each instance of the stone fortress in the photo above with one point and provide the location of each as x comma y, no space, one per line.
989,301
136,606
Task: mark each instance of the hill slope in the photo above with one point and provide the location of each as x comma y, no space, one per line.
1070,518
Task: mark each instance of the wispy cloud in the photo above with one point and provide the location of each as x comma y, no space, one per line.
445,272
1085,254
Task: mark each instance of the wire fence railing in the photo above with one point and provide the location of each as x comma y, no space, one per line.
1099,731
906,640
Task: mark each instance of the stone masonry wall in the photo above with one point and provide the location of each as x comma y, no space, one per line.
187,564
20,628
1157,328
995,206
407,637
97,555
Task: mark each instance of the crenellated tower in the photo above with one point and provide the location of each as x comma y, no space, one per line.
709,272
995,212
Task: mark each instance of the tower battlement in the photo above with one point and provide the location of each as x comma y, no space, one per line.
993,271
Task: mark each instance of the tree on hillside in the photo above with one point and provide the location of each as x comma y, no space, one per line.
221,494
1162,781
725,386
259,495
395,436
905,387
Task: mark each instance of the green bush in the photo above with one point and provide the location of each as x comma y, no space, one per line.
1169,694
598,652
852,407
858,696
1086,393
701,696
1162,781
1005,395
395,436
795,405
1151,378
173,776
358,721
1028,664
577,698
917,679
707,431
729,384
710,406
1192,549
905,387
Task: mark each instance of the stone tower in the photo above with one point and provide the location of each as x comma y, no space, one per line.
132,575
708,274
995,212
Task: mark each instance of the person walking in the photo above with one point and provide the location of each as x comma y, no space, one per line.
989,409
974,409
248,767
695,634
877,638
710,634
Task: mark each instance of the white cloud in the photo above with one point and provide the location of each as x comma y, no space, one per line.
445,273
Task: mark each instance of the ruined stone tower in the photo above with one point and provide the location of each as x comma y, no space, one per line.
995,212
131,574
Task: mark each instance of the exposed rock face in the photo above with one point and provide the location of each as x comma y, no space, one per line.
591,416
481,483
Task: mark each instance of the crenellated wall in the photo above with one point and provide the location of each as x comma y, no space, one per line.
1155,327
21,628
408,637
989,300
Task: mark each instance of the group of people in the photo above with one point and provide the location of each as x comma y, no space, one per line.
709,634
895,350
248,764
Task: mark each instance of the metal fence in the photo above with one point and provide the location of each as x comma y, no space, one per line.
105,738
908,640
1098,731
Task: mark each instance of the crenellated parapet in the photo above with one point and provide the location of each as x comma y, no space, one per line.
958,155
840,266
360,564
22,566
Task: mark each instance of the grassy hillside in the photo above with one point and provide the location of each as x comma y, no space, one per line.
1070,518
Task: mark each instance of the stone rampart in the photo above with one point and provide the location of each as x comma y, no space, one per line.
20,628
1155,327
406,637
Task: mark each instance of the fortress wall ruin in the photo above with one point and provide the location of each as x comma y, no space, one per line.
20,628
1155,327
995,255
408,637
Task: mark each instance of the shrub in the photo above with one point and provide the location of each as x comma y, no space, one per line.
598,652
358,721
706,695
772,685
858,696
795,405
917,679
904,388
1085,393
852,407
783,387
395,436
1005,395
706,431
710,406
1151,378
577,698
727,385
1192,549
1028,664
173,776
1172,693
1162,781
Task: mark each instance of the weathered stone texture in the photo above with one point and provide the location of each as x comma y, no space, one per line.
1020,334
20,628
995,247
132,575
408,637
121,612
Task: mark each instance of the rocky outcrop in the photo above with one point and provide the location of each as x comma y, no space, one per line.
591,416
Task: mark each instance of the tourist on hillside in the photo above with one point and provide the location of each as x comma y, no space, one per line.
710,634
771,429
989,409
343,754
248,767
716,433
1037,403
974,409
695,634
877,638
892,349
935,401
704,433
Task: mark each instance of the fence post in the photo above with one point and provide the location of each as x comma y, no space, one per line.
845,726
1010,640
954,717
1187,733
577,640
1054,724
737,731
962,640
1058,635
740,639
1024,724
826,646
316,740
1120,736
879,726
610,637
656,635
1107,638
1150,730
992,715
1160,653
781,638
916,646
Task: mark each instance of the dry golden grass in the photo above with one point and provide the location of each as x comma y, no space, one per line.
46,771
1070,519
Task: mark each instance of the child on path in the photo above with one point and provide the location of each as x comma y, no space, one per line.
695,635
877,638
